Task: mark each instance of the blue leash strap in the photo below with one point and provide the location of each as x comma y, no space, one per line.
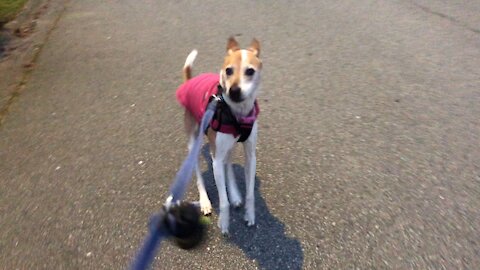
146,254
157,228
184,175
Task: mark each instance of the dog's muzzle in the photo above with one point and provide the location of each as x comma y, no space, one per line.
235,94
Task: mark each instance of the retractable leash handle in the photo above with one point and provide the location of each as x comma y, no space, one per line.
176,218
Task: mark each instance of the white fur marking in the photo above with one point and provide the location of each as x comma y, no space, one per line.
244,59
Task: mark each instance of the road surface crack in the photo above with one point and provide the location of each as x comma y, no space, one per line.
449,18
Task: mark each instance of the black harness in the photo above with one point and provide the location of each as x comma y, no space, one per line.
224,116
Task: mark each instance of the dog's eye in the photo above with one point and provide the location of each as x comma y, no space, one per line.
229,71
249,71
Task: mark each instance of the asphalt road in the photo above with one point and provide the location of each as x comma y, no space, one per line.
369,147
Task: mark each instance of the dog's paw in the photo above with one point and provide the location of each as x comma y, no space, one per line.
223,221
249,218
223,225
205,206
226,234
237,203
234,196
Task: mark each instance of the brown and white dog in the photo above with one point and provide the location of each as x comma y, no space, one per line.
239,78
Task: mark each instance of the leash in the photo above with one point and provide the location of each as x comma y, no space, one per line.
176,218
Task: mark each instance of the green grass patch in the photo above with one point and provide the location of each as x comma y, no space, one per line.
9,9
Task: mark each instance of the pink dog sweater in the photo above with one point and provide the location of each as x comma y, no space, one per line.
195,94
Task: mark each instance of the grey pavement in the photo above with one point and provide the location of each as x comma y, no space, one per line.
369,147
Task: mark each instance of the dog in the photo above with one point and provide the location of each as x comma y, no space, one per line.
236,86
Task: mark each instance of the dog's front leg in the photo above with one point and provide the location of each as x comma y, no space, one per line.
250,168
223,144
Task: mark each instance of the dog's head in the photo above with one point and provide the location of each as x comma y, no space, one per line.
240,74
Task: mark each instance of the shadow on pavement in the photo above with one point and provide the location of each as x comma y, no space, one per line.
266,243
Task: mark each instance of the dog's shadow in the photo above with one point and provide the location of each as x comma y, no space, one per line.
266,242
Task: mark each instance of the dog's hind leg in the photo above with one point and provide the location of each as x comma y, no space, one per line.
233,193
191,128
205,204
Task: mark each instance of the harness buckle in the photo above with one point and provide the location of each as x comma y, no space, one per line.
216,97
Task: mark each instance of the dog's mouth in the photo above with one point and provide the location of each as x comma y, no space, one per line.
236,99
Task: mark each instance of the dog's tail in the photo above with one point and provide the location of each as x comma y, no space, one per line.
187,68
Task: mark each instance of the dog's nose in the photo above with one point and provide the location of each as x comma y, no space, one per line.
235,94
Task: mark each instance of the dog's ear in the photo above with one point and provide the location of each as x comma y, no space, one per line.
232,45
255,47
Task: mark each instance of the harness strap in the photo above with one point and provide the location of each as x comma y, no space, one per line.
224,117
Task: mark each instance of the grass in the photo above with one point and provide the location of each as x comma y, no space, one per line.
9,9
